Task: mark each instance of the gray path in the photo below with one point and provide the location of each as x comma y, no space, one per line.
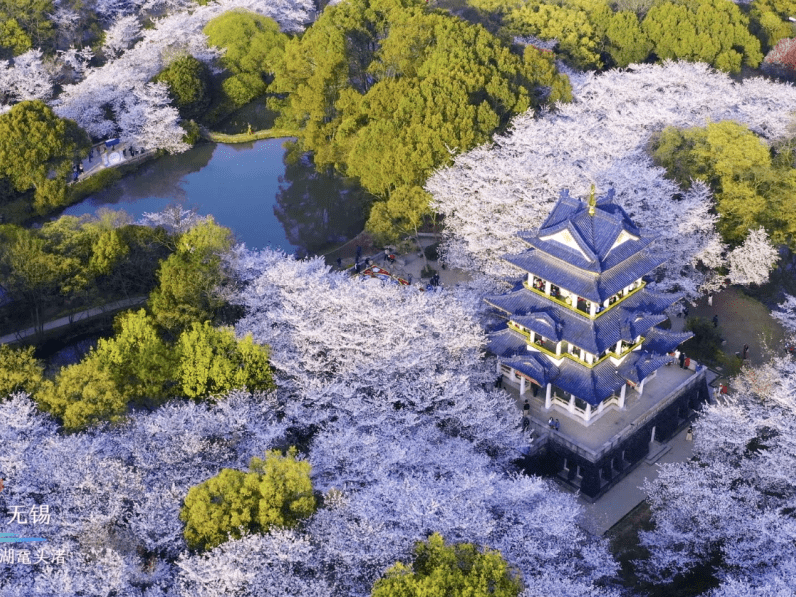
111,157
627,494
79,316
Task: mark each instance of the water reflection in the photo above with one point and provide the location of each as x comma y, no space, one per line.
248,188
318,209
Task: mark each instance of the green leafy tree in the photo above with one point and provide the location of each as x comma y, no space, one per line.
403,213
37,151
459,569
212,361
32,16
141,363
189,85
108,250
13,38
589,33
31,273
712,31
579,27
276,492
769,20
253,46
626,42
19,370
83,395
751,189
189,280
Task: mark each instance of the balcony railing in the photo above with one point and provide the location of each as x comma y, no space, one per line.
574,308
552,353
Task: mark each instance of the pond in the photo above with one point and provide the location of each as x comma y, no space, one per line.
251,188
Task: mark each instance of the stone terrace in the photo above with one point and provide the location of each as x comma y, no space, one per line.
612,426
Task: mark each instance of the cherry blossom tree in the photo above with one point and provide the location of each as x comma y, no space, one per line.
600,138
786,314
27,79
146,119
732,503
121,35
751,262
73,63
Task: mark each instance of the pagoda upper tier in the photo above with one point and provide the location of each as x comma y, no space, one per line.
593,251
583,323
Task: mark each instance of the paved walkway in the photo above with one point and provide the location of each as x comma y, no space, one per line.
111,157
74,317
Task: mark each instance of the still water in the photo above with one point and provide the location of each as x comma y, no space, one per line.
249,188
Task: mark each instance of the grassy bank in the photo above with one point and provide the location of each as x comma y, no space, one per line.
248,137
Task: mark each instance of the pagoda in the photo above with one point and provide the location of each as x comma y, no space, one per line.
582,325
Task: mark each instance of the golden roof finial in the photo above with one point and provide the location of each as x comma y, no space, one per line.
592,201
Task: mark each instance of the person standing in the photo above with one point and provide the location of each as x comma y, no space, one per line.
526,408
526,423
715,321
682,360
557,425
745,351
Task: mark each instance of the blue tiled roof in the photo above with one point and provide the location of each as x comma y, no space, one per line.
535,366
595,385
639,364
590,286
663,341
594,234
592,385
623,322
506,343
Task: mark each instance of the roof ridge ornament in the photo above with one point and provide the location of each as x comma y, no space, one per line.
592,200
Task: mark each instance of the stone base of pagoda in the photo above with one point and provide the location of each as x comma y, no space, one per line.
591,459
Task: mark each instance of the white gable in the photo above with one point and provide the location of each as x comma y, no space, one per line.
565,238
623,237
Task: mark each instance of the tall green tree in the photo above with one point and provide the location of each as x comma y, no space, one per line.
212,361
253,45
751,188
38,150
277,492
459,569
190,279
19,370
589,33
141,363
188,80
83,395
712,31
32,17
31,272
770,20
13,39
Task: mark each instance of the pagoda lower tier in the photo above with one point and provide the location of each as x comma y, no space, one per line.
586,390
